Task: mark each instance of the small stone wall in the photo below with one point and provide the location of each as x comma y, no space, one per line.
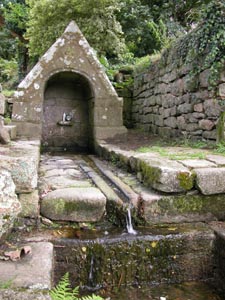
168,101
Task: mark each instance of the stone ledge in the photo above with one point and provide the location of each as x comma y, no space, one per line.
169,176
32,271
74,204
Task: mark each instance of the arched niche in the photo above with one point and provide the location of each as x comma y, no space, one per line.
67,119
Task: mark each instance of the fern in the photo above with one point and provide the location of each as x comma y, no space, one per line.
93,297
63,291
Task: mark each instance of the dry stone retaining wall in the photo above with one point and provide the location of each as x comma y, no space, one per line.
168,101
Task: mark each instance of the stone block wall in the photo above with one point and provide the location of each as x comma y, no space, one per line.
170,102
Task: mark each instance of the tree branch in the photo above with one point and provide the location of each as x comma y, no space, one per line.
12,32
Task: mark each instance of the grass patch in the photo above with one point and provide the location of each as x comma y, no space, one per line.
173,156
8,93
220,148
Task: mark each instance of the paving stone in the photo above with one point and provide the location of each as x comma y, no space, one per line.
59,182
10,294
9,203
11,130
21,159
33,270
30,204
165,175
197,163
217,159
210,180
74,204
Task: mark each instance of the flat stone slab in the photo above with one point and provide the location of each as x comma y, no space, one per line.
217,159
165,175
21,159
11,130
10,294
32,271
30,204
74,204
10,206
210,180
197,163
59,182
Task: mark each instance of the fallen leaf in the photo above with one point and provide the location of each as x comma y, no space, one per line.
154,244
172,228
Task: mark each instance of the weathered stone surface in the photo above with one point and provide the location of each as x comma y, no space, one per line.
217,159
165,175
58,71
211,135
197,163
222,90
21,160
212,108
2,104
74,204
185,108
10,294
9,203
54,183
171,122
32,271
158,209
198,107
210,180
4,134
173,253
30,204
181,123
204,78
23,171
206,124
11,130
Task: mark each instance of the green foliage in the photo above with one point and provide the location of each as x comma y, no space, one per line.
6,285
8,45
220,148
15,14
143,34
205,46
63,291
96,19
8,72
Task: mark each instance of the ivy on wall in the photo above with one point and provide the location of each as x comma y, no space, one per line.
204,47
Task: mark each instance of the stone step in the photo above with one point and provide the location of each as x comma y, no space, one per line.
32,271
74,204
11,130
170,176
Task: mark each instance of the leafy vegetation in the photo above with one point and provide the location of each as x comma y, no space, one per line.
63,291
119,31
205,46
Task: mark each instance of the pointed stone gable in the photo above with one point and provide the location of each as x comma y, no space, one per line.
70,53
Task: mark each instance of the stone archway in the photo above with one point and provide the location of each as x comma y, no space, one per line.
67,113
70,61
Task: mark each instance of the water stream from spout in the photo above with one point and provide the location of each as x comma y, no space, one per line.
64,117
130,228
90,276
